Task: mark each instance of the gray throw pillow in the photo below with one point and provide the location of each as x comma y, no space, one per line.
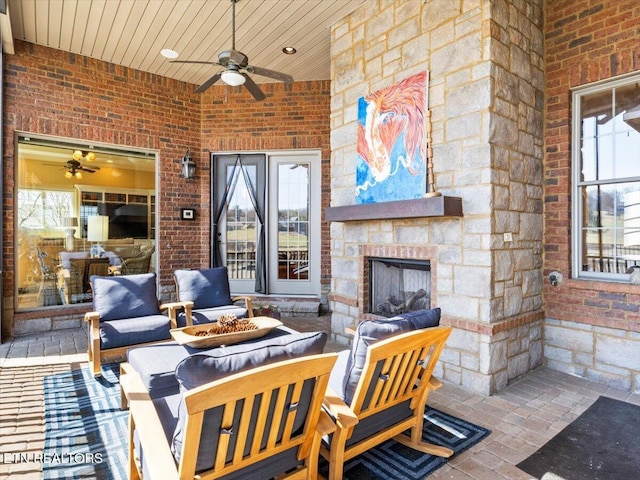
206,288
125,296
372,331
217,363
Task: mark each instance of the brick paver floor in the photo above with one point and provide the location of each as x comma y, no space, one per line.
521,418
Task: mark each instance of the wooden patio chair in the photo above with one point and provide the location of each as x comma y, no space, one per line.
208,289
263,422
389,398
126,313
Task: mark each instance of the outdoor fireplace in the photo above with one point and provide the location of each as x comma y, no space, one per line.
398,285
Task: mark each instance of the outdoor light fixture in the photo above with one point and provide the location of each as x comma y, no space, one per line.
188,166
232,77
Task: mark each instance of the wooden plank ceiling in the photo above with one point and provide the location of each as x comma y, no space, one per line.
132,32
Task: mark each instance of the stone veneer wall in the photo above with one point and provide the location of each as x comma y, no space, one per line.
485,94
592,328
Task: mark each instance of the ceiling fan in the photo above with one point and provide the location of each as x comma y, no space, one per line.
235,65
75,168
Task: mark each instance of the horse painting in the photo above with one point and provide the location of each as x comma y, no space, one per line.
391,143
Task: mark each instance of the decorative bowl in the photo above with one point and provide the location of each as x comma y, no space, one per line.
187,335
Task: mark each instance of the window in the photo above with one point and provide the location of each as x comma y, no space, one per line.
606,179
41,210
60,186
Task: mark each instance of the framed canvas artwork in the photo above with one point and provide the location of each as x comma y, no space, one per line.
392,142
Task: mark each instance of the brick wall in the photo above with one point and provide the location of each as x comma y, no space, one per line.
57,93
291,117
585,41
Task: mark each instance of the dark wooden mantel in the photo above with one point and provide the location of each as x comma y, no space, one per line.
441,206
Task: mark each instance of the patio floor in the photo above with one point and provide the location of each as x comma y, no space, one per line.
521,418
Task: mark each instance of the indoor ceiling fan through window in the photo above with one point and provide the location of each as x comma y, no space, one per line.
235,65
75,168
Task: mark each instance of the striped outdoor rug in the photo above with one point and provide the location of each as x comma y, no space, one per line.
85,430
86,435
393,461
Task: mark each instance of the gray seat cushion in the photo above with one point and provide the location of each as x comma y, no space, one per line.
372,331
200,369
206,288
156,364
133,331
125,296
336,379
208,315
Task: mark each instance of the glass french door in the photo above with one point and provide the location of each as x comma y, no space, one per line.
266,222
294,224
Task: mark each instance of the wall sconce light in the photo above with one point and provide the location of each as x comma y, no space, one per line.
188,166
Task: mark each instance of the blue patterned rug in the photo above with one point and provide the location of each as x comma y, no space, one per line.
86,435
85,430
393,461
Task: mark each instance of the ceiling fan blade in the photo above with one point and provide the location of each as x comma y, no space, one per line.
200,62
208,83
283,77
90,169
253,88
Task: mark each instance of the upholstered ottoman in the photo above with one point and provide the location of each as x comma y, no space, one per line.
156,364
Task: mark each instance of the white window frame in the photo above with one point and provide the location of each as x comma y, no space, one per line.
577,183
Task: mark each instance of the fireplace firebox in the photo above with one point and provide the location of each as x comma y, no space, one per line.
398,285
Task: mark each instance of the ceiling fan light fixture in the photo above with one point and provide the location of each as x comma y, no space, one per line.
68,174
79,175
77,155
233,78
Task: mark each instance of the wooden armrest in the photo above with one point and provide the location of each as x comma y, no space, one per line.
434,383
91,317
174,308
350,331
158,457
176,305
241,297
325,424
339,410
247,303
